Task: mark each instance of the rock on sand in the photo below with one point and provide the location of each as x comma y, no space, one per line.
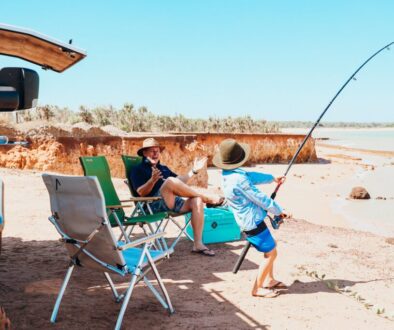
359,193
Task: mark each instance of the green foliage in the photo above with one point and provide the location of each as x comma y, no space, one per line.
65,115
47,113
85,115
103,116
130,119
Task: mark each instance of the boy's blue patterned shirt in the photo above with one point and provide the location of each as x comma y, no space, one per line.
248,203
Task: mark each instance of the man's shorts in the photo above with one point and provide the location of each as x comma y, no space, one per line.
161,206
263,241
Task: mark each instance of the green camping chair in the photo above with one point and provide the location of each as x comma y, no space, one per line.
98,166
143,208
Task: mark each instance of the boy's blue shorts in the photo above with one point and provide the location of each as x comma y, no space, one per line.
263,242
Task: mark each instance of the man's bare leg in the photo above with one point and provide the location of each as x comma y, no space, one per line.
193,204
196,206
174,187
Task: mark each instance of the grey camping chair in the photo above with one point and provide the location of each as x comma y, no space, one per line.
79,215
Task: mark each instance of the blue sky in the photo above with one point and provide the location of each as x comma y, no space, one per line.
273,60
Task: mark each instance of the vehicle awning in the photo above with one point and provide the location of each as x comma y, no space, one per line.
38,48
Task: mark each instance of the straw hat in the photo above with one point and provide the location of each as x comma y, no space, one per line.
231,154
148,143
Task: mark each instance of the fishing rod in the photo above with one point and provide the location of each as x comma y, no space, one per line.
273,195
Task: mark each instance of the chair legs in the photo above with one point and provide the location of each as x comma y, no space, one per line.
118,297
156,293
167,306
182,231
61,292
126,301
135,277
163,225
124,234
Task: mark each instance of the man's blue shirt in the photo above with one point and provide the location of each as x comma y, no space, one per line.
140,174
248,203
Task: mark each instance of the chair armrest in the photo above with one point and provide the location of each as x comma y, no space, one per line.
144,199
141,241
141,199
114,207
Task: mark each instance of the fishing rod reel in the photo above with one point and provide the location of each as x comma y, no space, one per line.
276,221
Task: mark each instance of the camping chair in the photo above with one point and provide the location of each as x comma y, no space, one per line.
79,215
143,208
98,166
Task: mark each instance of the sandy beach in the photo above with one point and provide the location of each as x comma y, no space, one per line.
89,88
335,254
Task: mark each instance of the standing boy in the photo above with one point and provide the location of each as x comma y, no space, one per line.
250,207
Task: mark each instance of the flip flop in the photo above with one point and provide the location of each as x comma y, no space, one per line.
222,201
277,285
268,294
205,252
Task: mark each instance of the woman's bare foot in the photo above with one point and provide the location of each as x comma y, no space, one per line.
265,293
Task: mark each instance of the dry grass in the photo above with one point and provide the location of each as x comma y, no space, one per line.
130,119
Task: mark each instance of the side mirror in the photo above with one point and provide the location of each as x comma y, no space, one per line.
18,89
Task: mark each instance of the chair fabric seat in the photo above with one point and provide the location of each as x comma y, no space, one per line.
132,256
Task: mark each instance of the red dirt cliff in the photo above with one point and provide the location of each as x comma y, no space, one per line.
58,150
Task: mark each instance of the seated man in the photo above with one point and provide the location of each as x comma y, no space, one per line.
151,178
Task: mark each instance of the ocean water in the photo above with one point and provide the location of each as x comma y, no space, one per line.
363,138
374,215
371,139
